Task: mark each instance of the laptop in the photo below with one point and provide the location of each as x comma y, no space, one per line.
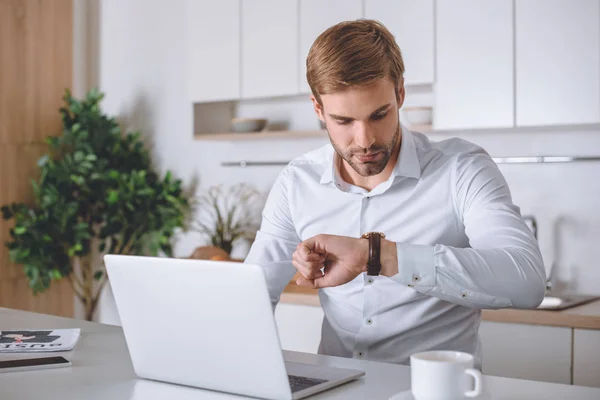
209,324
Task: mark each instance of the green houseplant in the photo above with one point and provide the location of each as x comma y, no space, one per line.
97,193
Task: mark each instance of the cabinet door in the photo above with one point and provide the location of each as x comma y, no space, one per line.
213,50
315,17
269,48
474,75
557,62
411,22
534,352
299,327
586,357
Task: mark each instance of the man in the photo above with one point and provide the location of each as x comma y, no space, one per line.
442,238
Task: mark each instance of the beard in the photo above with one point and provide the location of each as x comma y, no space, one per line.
368,168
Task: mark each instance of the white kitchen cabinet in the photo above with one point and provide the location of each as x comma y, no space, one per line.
315,17
412,23
213,50
536,352
586,357
474,85
299,326
269,48
557,62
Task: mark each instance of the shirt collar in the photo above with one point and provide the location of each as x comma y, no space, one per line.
330,165
407,164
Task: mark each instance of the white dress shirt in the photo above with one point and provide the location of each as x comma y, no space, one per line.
462,246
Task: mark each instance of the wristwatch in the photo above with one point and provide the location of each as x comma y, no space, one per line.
374,263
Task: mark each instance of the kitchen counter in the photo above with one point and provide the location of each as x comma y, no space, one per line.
585,316
102,370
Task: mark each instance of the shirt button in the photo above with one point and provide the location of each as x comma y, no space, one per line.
410,285
463,295
369,321
370,280
416,278
360,354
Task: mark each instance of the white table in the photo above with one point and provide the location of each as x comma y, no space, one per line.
102,370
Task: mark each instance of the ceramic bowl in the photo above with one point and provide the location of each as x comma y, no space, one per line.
240,125
417,115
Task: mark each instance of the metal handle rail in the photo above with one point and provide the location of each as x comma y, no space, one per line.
498,160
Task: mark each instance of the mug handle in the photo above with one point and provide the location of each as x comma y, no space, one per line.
478,378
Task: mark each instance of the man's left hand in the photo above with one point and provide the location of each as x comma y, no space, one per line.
343,259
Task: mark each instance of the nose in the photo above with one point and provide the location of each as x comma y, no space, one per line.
364,135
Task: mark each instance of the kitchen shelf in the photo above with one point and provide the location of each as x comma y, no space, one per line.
233,136
420,128
319,133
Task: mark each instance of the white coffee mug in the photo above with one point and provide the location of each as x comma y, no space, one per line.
444,375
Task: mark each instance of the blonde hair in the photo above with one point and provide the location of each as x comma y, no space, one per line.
353,53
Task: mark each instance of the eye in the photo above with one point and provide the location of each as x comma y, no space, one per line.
377,117
343,122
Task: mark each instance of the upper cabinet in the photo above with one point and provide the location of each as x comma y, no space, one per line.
557,62
474,85
491,64
213,50
412,23
315,17
269,48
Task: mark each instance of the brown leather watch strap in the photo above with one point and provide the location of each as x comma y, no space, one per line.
374,264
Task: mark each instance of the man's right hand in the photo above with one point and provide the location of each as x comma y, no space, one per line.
308,262
342,259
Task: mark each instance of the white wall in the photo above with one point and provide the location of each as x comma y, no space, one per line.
141,68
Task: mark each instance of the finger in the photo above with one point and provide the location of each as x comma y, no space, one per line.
333,275
324,280
312,245
315,257
303,250
304,271
307,271
307,253
321,281
308,265
305,282
301,263
312,257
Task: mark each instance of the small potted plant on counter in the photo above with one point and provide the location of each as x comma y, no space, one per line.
227,217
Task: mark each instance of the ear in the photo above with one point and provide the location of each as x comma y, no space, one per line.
318,109
401,93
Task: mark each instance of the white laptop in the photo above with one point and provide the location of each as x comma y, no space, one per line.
209,324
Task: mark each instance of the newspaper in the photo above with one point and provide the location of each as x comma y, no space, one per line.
34,340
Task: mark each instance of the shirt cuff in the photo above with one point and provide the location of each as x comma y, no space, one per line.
416,265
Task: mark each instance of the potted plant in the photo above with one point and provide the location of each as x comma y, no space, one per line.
97,193
229,216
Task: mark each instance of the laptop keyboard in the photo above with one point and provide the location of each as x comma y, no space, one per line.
298,383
